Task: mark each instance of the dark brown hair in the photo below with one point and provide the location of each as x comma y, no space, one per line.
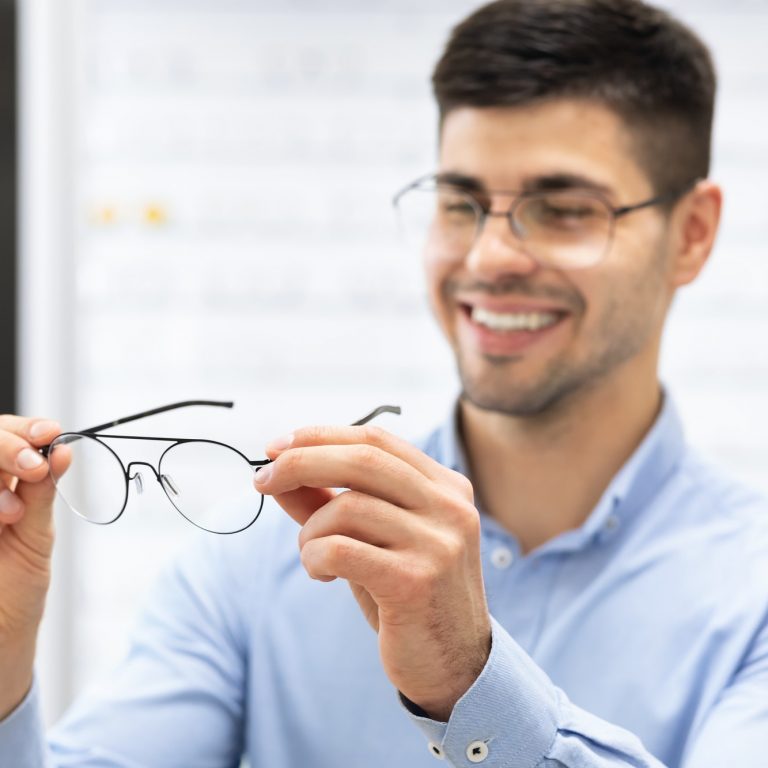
651,69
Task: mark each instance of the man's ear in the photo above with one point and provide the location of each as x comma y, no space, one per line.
694,221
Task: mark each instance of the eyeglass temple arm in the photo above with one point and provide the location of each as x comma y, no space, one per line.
183,404
664,197
221,404
217,403
377,412
359,423
625,209
161,409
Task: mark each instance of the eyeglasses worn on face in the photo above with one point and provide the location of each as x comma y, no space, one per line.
569,228
210,483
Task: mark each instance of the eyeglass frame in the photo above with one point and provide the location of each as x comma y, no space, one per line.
520,196
97,432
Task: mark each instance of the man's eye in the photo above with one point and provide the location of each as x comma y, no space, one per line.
571,213
567,212
456,209
462,208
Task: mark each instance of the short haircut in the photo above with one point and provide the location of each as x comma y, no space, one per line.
639,61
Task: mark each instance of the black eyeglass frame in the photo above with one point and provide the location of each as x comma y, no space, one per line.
96,433
521,196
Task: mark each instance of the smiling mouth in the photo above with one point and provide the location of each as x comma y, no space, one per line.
511,322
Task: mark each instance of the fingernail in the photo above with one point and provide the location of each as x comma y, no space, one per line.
29,459
9,504
263,475
280,444
40,428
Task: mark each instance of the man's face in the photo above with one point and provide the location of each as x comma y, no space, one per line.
605,316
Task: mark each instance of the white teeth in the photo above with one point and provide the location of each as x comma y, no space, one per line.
517,321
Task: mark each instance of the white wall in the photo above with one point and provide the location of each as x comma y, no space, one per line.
218,176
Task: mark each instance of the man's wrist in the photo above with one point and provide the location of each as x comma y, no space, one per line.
16,672
438,709
439,704
11,700
512,704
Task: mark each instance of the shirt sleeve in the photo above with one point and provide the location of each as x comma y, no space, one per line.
513,716
178,697
736,730
22,737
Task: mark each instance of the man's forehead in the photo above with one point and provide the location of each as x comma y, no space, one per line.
551,116
549,143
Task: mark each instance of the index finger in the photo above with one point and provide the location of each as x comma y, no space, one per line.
308,437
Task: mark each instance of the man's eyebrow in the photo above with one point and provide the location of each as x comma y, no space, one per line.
462,180
558,181
543,183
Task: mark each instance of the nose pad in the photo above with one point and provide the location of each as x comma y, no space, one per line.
138,482
170,487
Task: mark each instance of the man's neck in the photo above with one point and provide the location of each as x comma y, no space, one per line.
541,476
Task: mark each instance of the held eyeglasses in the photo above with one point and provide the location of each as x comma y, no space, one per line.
209,482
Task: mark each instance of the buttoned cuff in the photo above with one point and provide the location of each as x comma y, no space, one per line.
507,719
22,735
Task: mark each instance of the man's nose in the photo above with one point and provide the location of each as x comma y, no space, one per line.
497,249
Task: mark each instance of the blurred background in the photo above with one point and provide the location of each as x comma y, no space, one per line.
196,203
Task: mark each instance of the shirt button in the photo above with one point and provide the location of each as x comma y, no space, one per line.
611,524
477,751
502,557
436,751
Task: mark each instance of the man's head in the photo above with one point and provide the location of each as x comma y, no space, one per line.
637,60
571,94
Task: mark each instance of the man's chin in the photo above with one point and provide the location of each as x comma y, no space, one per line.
510,400
511,396
517,405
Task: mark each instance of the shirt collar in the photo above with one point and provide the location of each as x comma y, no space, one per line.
629,490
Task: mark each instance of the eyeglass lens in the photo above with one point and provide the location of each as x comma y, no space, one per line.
209,483
89,477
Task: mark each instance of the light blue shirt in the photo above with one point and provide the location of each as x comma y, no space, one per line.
639,639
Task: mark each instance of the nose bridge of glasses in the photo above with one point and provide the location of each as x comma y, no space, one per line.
143,463
500,244
507,221
136,476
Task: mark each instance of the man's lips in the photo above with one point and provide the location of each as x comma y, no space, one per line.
503,327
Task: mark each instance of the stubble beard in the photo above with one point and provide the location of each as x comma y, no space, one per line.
495,388
624,330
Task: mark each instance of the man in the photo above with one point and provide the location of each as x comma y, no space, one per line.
597,596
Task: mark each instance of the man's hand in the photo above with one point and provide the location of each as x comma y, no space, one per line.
406,537
26,541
